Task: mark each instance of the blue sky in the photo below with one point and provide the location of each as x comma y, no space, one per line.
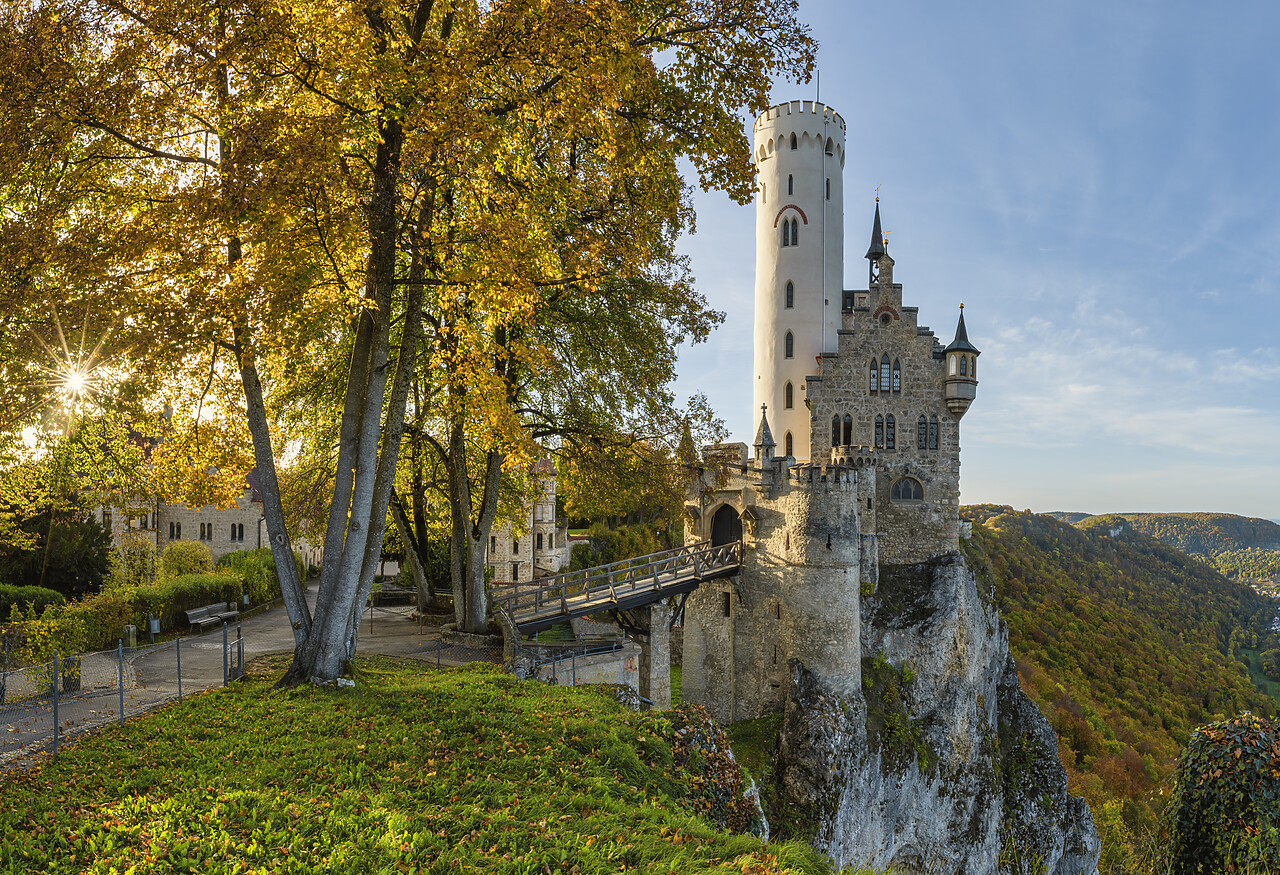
1100,183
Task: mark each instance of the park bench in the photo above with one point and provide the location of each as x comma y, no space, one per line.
210,615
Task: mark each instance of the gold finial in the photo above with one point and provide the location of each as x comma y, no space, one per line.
962,306
877,194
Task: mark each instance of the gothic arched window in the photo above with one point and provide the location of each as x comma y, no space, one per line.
933,432
831,149
789,346
848,430
794,143
922,434
879,431
791,184
964,366
890,432
795,232
884,373
835,431
897,376
786,241
875,376
791,295
973,366
906,489
787,397
787,444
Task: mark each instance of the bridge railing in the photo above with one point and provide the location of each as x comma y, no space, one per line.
570,591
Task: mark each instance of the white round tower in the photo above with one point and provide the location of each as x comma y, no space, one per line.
799,155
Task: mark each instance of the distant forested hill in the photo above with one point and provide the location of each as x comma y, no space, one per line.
1126,644
1236,545
1068,516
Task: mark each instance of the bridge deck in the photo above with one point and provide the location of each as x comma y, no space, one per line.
622,585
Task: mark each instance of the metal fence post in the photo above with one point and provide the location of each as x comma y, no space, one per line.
177,649
55,703
224,653
120,667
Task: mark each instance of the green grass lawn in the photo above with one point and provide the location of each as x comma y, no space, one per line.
414,770
1260,680
677,684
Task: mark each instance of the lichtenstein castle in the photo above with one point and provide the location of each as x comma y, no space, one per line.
854,610
857,456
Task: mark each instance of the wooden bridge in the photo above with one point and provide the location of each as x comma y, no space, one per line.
620,585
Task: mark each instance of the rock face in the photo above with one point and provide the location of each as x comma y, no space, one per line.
940,763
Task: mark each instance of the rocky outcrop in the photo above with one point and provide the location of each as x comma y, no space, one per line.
941,764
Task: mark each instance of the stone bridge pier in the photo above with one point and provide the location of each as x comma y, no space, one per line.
650,625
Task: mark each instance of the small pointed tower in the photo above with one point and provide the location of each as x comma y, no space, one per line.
876,250
962,371
764,440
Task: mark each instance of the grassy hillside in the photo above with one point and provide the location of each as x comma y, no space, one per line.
414,770
1125,643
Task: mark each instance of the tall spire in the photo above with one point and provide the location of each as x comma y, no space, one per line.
877,237
961,341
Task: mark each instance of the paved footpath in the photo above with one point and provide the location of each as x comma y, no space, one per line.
151,672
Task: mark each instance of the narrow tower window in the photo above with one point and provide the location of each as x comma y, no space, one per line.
795,232
791,184
964,366
933,432
791,295
789,447
884,374
790,346
835,431
890,432
786,241
848,430
897,376
788,397
828,189
880,431
875,376
830,147
922,432
794,143
973,366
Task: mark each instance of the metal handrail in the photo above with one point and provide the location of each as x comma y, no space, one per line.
625,577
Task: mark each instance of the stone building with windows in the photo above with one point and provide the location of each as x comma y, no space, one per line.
857,456
543,549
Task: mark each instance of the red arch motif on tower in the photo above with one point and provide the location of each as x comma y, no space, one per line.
886,309
790,207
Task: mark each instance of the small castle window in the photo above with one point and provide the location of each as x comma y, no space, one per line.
875,376
906,489
775,654
933,432
170,531
953,358
515,571
973,366
788,397
890,430
794,143
106,520
539,541
831,149
789,346
795,232
791,184
835,431
493,543
884,374
786,241
787,443
922,434
848,430
880,431
828,189
964,366
897,376
515,547
791,295
725,602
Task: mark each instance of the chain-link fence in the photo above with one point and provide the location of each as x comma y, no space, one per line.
42,705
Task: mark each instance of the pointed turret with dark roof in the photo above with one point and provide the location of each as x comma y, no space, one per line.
961,343
961,382
876,249
764,439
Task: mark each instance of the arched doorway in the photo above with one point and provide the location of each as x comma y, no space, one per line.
726,526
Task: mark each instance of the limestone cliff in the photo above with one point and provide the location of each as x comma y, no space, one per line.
940,764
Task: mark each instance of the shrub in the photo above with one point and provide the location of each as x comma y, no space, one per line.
136,565
1224,815
1270,664
37,597
259,570
168,599
185,557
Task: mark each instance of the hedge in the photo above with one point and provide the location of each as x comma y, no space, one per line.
259,570
21,596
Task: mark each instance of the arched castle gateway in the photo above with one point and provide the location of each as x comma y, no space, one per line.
857,453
